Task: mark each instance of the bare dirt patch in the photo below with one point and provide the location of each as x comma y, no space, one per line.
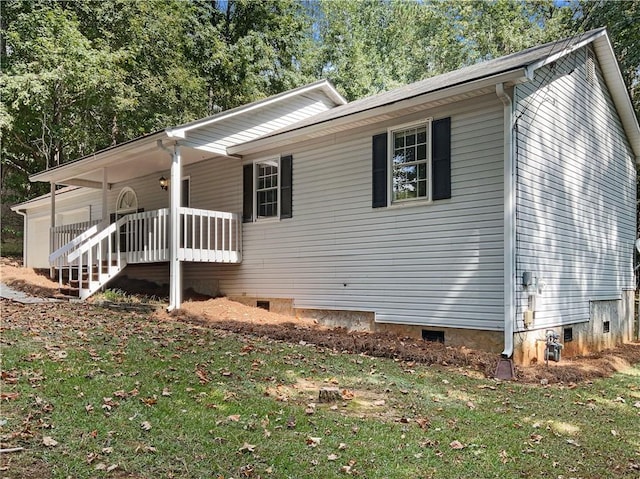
231,316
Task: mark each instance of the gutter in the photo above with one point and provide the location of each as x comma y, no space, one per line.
509,222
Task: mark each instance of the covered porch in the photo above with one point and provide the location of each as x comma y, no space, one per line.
127,227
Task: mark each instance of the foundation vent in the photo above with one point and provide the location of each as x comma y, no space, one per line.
567,335
606,327
263,305
433,336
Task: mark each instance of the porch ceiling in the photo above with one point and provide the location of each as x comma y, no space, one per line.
138,158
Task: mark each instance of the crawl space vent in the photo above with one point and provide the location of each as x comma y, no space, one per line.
263,305
433,336
567,335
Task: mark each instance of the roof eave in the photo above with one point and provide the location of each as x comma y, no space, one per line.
323,85
96,160
513,76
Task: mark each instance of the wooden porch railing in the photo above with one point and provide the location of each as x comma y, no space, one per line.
96,256
209,236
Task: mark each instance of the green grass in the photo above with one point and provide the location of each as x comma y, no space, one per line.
223,405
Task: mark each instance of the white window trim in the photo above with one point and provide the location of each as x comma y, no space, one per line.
390,147
256,217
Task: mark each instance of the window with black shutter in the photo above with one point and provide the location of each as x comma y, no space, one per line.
268,189
412,162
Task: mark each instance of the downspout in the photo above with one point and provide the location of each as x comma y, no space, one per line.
509,222
23,213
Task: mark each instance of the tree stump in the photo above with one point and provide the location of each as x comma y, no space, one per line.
329,395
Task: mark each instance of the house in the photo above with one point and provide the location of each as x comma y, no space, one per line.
482,207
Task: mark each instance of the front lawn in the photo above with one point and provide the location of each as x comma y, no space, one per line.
89,392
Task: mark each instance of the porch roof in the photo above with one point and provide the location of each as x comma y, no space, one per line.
204,139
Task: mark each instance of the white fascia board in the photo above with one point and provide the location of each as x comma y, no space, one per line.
277,139
324,85
96,160
565,51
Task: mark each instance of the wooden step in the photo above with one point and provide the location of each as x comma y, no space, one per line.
70,291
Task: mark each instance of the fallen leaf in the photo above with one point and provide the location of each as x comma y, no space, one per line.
112,467
536,438
150,401
107,450
49,441
456,445
166,392
246,447
332,457
342,446
504,457
470,405
313,441
146,425
234,417
614,433
202,376
572,442
346,470
347,395
9,396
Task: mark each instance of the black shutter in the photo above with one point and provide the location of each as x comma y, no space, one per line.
247,193
286,191
441,158
379,180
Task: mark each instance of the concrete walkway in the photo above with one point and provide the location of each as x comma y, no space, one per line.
7,292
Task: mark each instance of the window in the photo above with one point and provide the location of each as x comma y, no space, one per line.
267,189
412,162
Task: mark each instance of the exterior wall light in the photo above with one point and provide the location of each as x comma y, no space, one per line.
164,183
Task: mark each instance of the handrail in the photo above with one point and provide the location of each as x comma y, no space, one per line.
73,243
103,234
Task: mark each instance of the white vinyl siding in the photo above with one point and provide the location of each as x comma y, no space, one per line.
575,193
432,264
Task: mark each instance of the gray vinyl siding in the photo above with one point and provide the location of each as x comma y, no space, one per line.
575,193
438,264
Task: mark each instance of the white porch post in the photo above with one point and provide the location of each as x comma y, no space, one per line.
105,211
175,267
53,225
